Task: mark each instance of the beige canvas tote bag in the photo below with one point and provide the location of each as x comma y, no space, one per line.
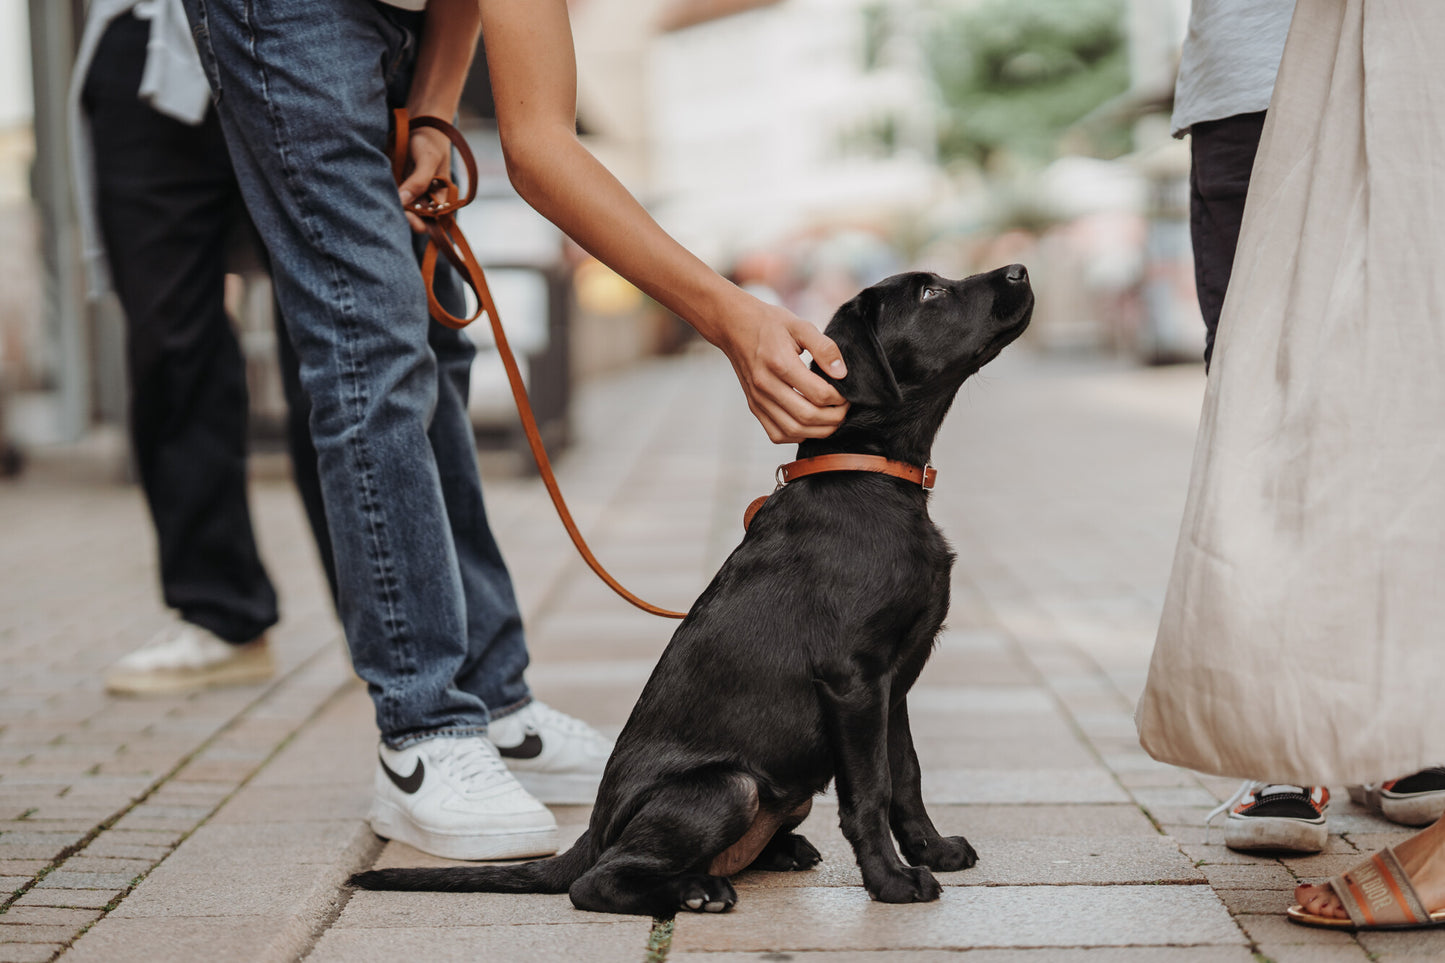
1303,633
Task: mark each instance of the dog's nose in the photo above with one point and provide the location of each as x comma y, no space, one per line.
1016,273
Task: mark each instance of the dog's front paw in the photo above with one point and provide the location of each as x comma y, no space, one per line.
705,894
946,854
911,885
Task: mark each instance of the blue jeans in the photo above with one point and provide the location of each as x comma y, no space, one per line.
304,89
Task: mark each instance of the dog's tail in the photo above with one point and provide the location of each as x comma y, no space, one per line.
552,875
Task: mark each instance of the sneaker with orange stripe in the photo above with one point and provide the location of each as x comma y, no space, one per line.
1276,817
1415,800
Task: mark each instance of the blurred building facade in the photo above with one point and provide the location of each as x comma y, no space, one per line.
758,120
750,128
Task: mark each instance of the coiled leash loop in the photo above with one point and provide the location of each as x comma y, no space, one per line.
437,209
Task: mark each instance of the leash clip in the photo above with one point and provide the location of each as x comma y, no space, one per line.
779,477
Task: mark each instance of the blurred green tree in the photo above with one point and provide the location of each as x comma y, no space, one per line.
1014,75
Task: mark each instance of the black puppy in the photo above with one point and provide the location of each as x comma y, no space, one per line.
792,667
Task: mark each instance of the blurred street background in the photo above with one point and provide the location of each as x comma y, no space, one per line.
806,148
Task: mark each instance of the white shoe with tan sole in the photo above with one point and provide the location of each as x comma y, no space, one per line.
189,658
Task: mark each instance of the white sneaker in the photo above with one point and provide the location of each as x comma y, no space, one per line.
188,657
452,796
557,758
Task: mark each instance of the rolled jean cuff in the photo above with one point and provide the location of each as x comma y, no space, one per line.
514,707
450,732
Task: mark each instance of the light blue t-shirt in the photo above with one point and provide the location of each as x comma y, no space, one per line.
1230,59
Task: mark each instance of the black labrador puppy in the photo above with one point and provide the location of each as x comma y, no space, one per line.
793,666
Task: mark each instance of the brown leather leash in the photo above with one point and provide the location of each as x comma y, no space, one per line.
923,476
437,209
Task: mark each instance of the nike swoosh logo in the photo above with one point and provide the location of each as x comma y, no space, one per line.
407,784
528,748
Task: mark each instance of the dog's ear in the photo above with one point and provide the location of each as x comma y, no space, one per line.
854,329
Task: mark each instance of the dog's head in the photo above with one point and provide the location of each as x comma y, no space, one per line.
912,337
909,342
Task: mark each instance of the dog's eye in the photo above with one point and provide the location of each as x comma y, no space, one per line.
929,293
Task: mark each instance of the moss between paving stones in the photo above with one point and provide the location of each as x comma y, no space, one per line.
659,941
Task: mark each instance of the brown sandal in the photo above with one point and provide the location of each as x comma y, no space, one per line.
1378,895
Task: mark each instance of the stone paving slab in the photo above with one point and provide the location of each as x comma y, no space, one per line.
29,952
1035,821
106,786
968,917
1274,928
1051,746
1112,954
1303,953
1416,945
374,910
265,887
101,899
1021,786
231,939
602,942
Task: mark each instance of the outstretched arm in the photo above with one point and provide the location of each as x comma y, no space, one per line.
534,82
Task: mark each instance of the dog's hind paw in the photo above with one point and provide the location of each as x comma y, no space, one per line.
945,854
706,894
912,885
787,852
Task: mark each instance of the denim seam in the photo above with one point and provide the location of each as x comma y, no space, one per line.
383,578
201,36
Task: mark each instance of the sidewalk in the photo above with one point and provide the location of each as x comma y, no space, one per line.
221,826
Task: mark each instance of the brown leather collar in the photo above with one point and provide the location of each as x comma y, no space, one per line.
923,477
793,470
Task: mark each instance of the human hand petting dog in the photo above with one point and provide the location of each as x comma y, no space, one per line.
764,343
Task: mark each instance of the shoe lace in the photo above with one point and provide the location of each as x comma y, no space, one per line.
1245,788
471,758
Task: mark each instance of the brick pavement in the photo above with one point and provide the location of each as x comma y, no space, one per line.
220,826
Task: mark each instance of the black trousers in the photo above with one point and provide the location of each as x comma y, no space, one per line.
1222,158
168,205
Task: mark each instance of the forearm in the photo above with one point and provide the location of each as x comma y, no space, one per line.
558,176
448,42
534,84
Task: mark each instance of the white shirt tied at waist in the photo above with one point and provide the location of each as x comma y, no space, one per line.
173,82
1230,59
